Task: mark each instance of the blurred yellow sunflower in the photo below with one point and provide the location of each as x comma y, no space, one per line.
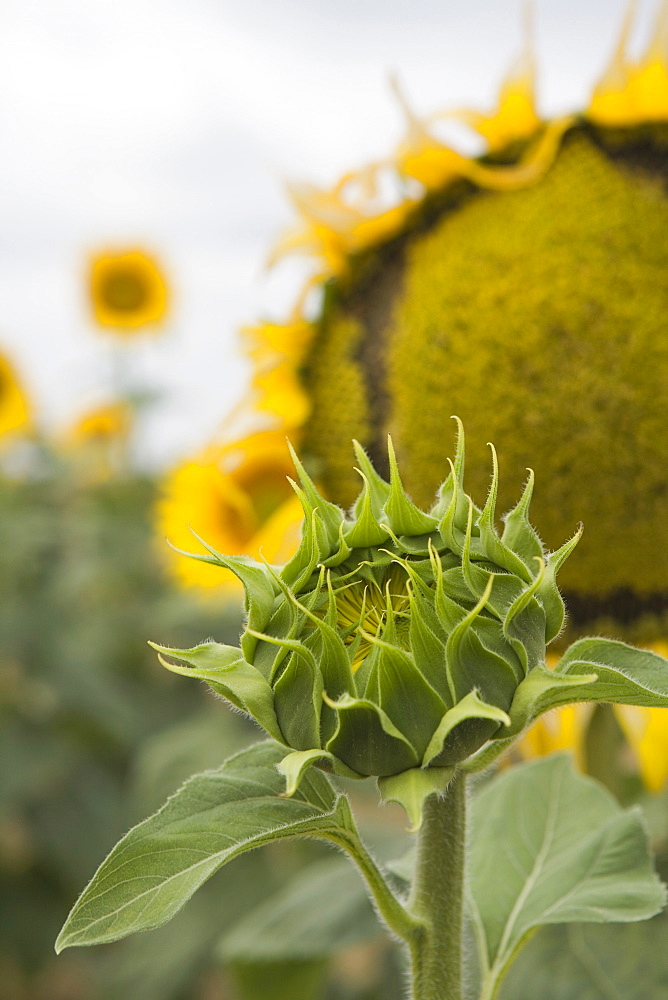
14,407
128,291
237,498
104,424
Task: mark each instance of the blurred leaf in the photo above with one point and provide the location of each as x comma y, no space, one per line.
213,818
551,846
321,910
581,962
166,963
201,741
281,980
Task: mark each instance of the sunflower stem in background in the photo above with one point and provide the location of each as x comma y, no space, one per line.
437,896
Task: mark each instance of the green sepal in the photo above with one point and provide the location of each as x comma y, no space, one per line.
411,788
298,688
379,490
524,625
427,648
518,534
297,702
454,483
330,515
407,698
470,707
230,675
296,764
313,548
343,551
450,614
506,587
470,664
548,592
403,517
337,674
260,591
452,526
367,740
626,675
365,532
542,690
492,546
284,623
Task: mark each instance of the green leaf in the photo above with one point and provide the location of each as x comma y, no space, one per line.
225,669
626,675
212,819
584,962
551,846
543,689
323,909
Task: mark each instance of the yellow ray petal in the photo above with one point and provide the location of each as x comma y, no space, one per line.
15,413
632,92
237,497
646,730
515,117
562,729
270,343
280,395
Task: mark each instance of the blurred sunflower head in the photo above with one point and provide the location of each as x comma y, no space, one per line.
102,425
128,291
236,496
524,290
14,407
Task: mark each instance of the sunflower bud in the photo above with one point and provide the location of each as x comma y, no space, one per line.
394,641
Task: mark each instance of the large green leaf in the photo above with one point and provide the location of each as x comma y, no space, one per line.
323,909
581,962
550,846
626,675
213,818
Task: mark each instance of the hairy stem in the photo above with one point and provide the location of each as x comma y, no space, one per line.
437,896
395,915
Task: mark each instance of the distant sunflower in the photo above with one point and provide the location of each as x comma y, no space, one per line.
238,499
14,407
128,291
104,424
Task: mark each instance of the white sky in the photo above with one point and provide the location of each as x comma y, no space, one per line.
172,124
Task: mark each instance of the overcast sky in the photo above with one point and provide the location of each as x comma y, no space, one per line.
173,124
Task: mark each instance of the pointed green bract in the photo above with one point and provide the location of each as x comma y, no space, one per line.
226,671
400,640
411,788
470,708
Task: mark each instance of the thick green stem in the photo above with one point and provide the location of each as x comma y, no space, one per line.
437,897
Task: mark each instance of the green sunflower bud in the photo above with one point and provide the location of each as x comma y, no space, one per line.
394,641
